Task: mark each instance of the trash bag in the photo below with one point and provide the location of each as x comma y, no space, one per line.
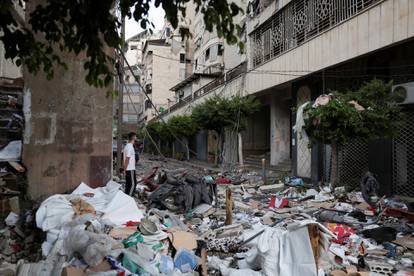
381,234
54,212
91,246
370,188
185,260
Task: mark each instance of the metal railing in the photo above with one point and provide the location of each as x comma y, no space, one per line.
209,87
299,21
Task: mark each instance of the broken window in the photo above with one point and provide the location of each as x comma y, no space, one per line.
220,49
208,54
182,58
167,32
147,104
133,47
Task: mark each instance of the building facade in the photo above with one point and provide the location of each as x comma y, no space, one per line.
300,49
163,67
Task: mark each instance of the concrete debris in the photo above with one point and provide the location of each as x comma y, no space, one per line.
286,228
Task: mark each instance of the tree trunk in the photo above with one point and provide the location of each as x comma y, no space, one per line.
187,149
218,146
334,165
240,148
229,147
173,149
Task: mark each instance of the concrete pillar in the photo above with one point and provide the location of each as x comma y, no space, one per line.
68,130
279,130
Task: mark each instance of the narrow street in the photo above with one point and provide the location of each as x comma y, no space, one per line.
207,137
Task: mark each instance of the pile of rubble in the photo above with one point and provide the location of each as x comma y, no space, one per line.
11,134
189,222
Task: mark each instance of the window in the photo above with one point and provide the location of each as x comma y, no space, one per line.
147,104
133,47
182,58
196,63
208,54
167,32
220,50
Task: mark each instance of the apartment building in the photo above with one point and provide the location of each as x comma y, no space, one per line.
163,67
300,49
134,98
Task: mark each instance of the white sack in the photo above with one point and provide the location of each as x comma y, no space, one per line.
54,212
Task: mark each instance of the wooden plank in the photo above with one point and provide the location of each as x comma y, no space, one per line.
405,241
203,262
229,207
314,239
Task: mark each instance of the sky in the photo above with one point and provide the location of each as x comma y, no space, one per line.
156,15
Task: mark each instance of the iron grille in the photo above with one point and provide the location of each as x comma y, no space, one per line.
352,163
326,166
403,158
299,21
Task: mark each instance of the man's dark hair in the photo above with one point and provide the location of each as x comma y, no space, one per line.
131,135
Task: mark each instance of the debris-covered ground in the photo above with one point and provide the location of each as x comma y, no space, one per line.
187,220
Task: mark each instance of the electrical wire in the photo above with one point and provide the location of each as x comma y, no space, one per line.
294,71
151,102
264,72
136,111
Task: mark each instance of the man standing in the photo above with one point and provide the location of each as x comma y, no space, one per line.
129,164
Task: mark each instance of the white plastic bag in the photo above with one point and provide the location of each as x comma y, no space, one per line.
54,212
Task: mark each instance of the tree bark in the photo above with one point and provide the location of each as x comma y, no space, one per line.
229,147
240,149
187,149
216,157
334,165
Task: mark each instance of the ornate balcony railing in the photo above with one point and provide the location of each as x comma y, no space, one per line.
299,21
209,87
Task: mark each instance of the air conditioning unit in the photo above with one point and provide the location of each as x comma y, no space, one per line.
405,91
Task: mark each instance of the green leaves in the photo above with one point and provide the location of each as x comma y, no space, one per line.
183,126
217,112
159,131
339,122
91,27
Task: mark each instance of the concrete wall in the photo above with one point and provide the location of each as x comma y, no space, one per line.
7,68
384,24
68,133
279,130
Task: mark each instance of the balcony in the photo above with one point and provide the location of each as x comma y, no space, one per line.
210,87
298,22
148,88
